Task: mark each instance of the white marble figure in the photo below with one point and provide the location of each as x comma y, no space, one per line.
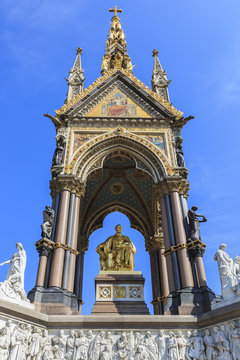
210,346
161,345
151,346
182,343
106,354
235,340
138,339
18,343
141,353
228,270
122,347
224,351
59,344
46,347
13,287
96,345
4,344
70,346
196,350
81,344
34,344
172,347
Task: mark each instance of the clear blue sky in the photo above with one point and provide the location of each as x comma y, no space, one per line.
198,43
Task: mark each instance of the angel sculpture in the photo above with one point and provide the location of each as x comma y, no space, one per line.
47,225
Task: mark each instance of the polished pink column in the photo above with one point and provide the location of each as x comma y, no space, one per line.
72,260
60,237
41,271
200,271
180,235
167,245
163,273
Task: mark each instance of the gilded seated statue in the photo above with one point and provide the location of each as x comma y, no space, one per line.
117,252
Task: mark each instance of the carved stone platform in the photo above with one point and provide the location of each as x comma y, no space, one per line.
120,292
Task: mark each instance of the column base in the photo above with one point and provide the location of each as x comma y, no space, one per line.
54,301
189,301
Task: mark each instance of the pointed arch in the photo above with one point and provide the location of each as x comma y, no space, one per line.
147,156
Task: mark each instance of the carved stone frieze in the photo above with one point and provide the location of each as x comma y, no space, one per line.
67,183
214,342
127,122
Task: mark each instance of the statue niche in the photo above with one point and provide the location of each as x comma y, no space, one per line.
117,252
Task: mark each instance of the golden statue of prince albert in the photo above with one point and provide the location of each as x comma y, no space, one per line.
117,252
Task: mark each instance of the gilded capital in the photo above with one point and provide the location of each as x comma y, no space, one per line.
155,243
168,186
67,183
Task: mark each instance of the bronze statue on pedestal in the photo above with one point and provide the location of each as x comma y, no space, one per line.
117,252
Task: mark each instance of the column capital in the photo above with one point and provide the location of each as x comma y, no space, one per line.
196,248
68,183
154,243
170,185
44,247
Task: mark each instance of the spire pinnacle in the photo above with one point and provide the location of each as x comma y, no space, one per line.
76,77
79,50
115,10
116,56
159,78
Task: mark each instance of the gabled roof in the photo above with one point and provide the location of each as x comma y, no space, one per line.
157,102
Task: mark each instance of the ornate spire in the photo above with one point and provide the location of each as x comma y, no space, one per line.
76,77
159,78
116,56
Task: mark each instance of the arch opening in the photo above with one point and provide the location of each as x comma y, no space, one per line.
141,258
155,164
119,185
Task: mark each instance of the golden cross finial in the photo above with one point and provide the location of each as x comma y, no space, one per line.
79,50
115,10
155,52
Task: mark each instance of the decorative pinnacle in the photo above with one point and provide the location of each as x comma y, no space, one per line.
115,10
155,52
79,50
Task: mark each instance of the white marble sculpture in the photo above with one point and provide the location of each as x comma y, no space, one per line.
12,289
210,346
196,350
161,345
172,347
229,273
23,341
181,341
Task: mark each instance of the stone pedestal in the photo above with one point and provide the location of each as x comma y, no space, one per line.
120,292
54,301
189,301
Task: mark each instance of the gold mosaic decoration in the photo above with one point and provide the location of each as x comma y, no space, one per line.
104,292
117,104
128,74
79,139
120,292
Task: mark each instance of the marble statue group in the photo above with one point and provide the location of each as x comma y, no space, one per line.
13,287
22,341
229,271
